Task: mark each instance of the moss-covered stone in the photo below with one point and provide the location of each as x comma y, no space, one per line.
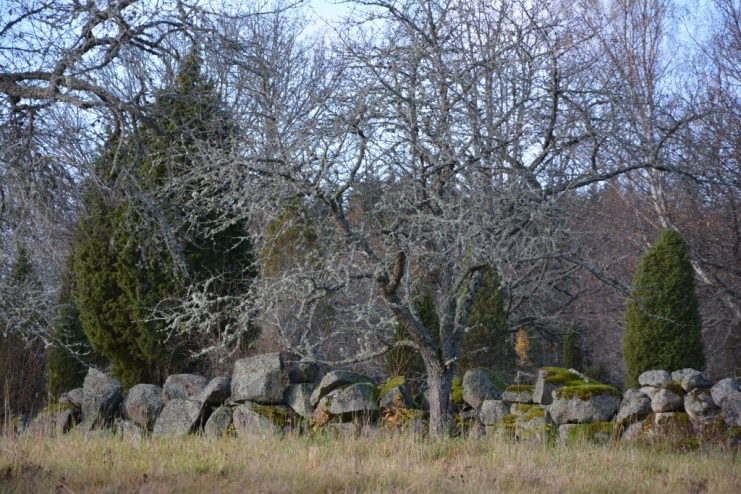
519,388
586,391
675,387
559,376
392,383
57,407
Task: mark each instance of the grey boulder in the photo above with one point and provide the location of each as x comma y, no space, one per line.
183,387
102,396
731,410
298,397
518,394
216,392
570,408
334,380
218,423
179,417
700,407
724,389
654,378
481,384
143,404
493,411
667,400
259,379
634,407
353,399
250,423
395,394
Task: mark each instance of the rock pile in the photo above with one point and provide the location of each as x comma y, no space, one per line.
263,397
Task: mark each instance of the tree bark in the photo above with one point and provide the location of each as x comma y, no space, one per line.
440,382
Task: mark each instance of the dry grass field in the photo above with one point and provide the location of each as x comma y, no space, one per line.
320,463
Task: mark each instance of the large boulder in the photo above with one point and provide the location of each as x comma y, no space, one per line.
551,378
654,378
102,396
218,423
248,422
481,384
635,407
395,393
669,398
298,397
584,404
216,392
691,379
337,379
493,411
259,379
724,389
179,417
731,410
700,407
143,404
356,398
305,372
183,387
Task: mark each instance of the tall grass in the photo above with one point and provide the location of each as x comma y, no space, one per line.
321,463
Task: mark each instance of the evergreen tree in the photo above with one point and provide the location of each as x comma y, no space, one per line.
663,325
121,270
486,343
572,355
21,350
69,357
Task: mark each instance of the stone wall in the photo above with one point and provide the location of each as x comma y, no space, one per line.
262,396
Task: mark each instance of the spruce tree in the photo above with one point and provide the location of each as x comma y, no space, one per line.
486,342
663,325
122,272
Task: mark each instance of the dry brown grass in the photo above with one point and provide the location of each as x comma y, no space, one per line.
319,463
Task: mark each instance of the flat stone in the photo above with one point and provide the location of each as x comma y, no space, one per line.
543,390
355,398
692,379
598,408
519,394
337,379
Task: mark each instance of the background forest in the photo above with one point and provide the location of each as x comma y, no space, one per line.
419,188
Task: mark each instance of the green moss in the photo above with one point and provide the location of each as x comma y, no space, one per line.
675,387
586,391
496,380
509,419
535,412
277,416
520,388
559,376
392,383
56,408
456,393
594,432
521,408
